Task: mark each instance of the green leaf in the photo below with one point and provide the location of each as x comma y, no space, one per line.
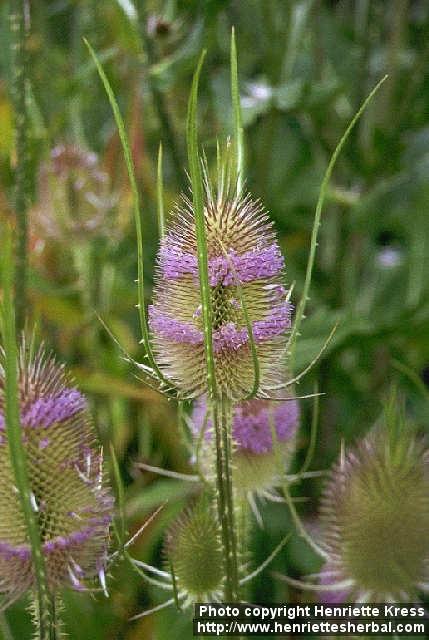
236,107
137,216
198,202
160,194
317,221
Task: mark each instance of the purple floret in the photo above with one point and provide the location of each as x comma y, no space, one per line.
328,577
175,263
253,265
261,262
44,412
47,411
9,551
251,426
229,337
172,329
275,324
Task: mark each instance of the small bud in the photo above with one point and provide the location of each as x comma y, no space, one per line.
193,547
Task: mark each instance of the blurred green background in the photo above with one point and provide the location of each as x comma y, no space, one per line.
305,66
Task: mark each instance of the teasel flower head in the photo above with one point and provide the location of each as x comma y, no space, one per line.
69,494
194,552
245,265
375,517
255,458
75,197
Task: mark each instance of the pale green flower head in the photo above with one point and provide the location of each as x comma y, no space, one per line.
375,512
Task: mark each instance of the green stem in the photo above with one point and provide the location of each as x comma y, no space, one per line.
17,21
238,123
221,412
226,425
218,401
6,633
46,629
137,216
158,98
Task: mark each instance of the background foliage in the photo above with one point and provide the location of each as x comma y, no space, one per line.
305,66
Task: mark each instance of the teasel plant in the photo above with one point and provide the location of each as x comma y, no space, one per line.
56,505
220,332
374,516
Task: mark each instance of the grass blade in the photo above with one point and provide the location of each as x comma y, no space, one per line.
236,107
317,217
136,202
160,194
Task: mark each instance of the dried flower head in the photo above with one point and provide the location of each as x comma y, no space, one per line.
68,489
244,263
375,513
255,463
75,197
194,550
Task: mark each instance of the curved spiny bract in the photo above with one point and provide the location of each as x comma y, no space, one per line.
375,516
244,263
68,489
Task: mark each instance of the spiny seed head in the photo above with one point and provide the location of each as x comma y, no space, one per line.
255,459
244,263
75,198
194,550
69,495
375,513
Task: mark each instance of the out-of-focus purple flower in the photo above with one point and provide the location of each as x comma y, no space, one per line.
255,464
389,257
244,263
75,197
252,423
68,488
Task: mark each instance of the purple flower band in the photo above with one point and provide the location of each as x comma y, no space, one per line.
262,262
23,551
252,423
44,412
228,337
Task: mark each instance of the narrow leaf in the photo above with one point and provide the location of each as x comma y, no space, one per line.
136,202
160,194
198,203
236,107
317,217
